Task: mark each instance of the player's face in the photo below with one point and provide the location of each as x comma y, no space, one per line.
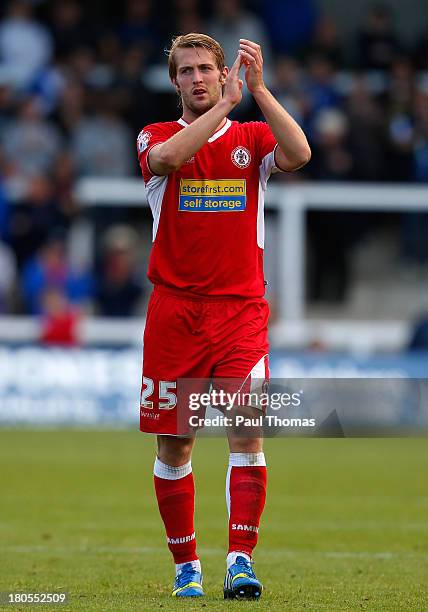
199,81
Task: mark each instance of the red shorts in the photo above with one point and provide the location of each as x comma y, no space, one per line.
199,339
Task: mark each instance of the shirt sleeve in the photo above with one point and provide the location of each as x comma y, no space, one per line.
266,145
150,136
265,139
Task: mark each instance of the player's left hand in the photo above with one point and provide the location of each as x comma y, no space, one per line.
251,54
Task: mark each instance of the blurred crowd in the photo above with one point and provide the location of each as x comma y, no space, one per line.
79,80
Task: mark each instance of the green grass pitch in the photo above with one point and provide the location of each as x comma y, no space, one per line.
345,526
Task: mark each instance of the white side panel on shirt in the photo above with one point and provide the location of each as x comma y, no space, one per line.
261,218
155,192
265,170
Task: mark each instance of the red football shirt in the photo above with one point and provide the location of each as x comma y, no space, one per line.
208,217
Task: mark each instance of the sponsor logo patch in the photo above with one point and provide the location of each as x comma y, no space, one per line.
143,141
239,527
223,195
182,540
241,157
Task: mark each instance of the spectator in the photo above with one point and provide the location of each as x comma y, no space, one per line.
133,98
400,139
64,181
401,85
102,144
50,269
398,103
71,107
366,133
25,45
119,292
81,65
332,158
69,28
35,218
138,27
320,88
109,54
30,143
289,88
47,87
326,42
60,320
377,43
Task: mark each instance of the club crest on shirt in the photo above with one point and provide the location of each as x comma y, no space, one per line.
241,157
143,141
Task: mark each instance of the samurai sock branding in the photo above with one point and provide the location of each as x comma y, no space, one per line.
245,497
175,492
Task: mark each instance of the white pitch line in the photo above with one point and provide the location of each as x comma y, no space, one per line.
278,552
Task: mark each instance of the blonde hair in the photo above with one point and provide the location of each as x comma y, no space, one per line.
194,40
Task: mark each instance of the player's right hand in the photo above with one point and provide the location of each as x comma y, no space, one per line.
233,84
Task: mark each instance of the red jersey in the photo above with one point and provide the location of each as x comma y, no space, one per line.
208,216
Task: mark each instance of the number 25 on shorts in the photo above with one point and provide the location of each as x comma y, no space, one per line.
167,399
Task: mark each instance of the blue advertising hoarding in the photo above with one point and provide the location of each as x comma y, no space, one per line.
101,386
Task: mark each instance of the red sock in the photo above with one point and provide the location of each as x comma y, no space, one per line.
246,495
175,492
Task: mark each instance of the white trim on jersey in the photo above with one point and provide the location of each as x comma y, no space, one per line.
265,170
155,188
258,373
220,132
267,166
261,217
216,135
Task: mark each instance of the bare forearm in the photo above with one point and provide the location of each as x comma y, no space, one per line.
173,153
293,149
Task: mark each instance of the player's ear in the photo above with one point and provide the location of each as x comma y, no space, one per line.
177,88
223,75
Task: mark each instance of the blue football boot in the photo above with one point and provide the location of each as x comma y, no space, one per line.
241,582
188,583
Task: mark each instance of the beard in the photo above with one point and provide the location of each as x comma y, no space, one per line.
201,107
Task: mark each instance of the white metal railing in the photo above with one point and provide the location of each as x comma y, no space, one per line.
291,202
356,336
